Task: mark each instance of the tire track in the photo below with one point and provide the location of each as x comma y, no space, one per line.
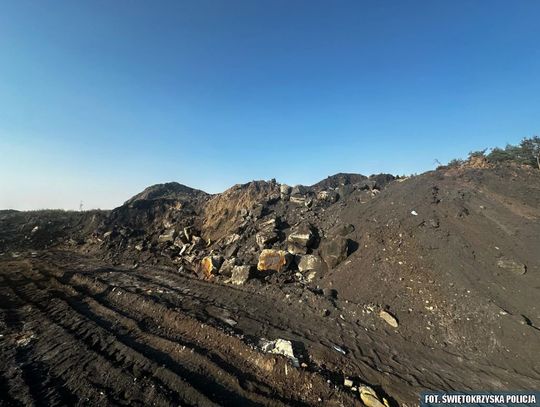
184,358
92,354
229,353
96,344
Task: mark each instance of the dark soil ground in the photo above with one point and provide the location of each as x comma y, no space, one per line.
452,254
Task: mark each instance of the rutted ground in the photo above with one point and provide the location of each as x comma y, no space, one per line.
80,338
79,331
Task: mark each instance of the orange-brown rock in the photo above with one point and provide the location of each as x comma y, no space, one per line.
210,265
276,260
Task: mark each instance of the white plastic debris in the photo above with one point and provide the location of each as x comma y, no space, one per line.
338,349
280,347
414,213
229,321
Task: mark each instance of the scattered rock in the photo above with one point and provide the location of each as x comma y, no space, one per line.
24,338
210,265
334,251
231,239
367,184
299,190
327,196
512,266
167,236
370,398
302,237
265,238
258,211
179,241
187,233
269,224
276,260
310,276
348,382
228,266
285,191
279,347
345,191
388,318
232,250
298,200
309,262
197,241
240,274
184,249
294,249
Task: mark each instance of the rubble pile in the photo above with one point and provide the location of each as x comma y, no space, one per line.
250,231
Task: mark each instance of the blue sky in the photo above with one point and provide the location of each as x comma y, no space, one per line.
99,99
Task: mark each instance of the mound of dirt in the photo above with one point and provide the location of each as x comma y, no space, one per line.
339,179
169,190
403,284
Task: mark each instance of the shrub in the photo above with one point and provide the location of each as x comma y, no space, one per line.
527,152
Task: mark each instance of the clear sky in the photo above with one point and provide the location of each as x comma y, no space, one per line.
99,99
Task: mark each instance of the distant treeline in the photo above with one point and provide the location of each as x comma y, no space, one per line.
527,152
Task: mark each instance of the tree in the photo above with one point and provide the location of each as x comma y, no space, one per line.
530,151
479,153
456,162
498,155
